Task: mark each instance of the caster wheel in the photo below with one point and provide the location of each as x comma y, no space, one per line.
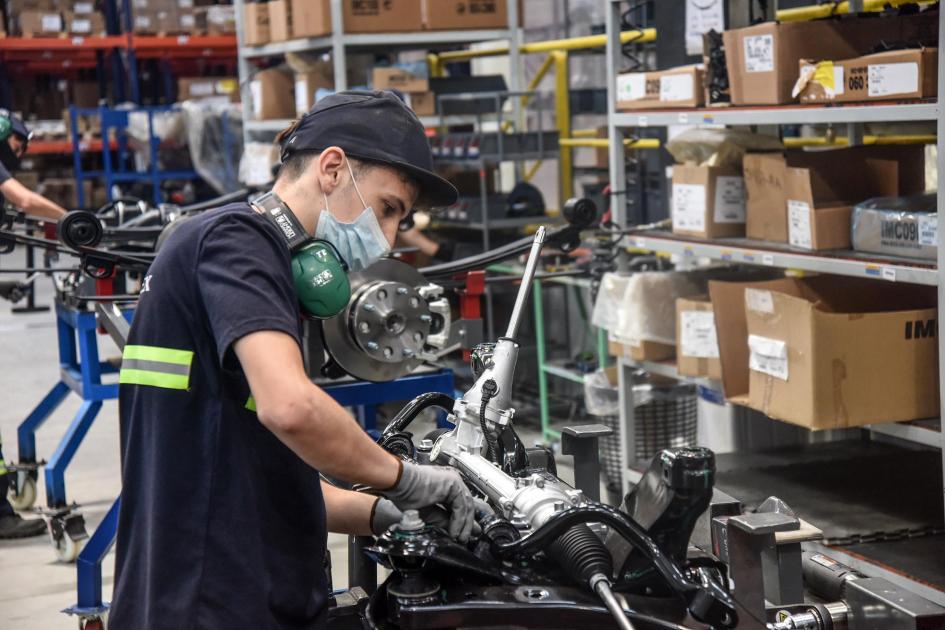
67,550
26,496
92,624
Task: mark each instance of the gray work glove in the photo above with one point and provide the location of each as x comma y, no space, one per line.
385,513
424,486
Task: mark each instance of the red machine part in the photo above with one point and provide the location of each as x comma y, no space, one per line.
470,305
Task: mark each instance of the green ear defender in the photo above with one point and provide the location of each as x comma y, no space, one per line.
319,272
6,125
320,279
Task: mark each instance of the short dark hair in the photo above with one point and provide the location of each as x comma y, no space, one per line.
298,161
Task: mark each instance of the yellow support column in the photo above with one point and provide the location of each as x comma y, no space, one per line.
563,116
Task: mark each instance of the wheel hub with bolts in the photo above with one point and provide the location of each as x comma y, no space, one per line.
390,321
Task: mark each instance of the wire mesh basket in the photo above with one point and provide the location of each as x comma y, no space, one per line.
665,414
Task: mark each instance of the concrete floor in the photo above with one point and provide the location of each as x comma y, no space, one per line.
36,587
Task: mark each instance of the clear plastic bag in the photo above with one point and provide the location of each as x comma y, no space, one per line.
215,139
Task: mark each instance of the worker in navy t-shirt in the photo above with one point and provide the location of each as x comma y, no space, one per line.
224,519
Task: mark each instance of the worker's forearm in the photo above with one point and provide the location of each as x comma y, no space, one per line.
348,512
326,437
38,205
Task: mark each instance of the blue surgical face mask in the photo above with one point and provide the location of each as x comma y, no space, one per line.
360,242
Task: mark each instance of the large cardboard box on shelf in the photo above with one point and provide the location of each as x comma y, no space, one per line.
310,18
825,353
208,87
676,87
16,7
80,7
697,345
88,24
40,23
307,83
256,23
382,16
708,201
273,94
762,60
398,79
280,24
460,14
154,21
805,197
894,74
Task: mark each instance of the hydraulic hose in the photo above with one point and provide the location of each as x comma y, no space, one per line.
412,409
709,604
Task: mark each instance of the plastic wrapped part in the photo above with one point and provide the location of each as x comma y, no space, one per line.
613,286
256,165
897,226
718,147
215,138
647,311
601,397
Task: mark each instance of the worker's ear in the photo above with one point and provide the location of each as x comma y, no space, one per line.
330,169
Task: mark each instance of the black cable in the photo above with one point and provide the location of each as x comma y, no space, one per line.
489,390
412,409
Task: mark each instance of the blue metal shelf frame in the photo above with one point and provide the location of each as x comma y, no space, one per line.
358,394
116,167
80,371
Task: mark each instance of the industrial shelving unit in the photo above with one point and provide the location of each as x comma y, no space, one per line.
338,43
749,252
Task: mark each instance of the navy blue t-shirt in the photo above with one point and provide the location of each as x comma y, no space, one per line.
221,525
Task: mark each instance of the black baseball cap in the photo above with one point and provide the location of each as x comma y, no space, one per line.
372,126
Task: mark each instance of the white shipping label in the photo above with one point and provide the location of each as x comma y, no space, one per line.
837,80
301,96
201,88
81,26
697,331
759,53
799,230
729,199
82,7
185,4
142,21
188,20
255,88
689,207
676,87
759,300
768,356
52,23
631,87
886,79
928,230
701,17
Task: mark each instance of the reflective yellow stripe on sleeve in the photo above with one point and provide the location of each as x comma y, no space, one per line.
251,404
154,366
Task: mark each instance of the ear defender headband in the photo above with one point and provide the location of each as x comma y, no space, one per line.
319,272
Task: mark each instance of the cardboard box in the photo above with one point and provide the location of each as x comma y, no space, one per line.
762,60
158,21
307,83
280,25
697,345
460,14
678,87
208,87
219,19
890,75
310,18
40,23
382,16
85,23
708,201
805,197
16,7
643,351
422,103
273,94
256,23
83,7
826,354
85,93
398,79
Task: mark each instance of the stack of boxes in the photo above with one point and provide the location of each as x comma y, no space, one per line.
415,89
182,17
54,18
280,20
